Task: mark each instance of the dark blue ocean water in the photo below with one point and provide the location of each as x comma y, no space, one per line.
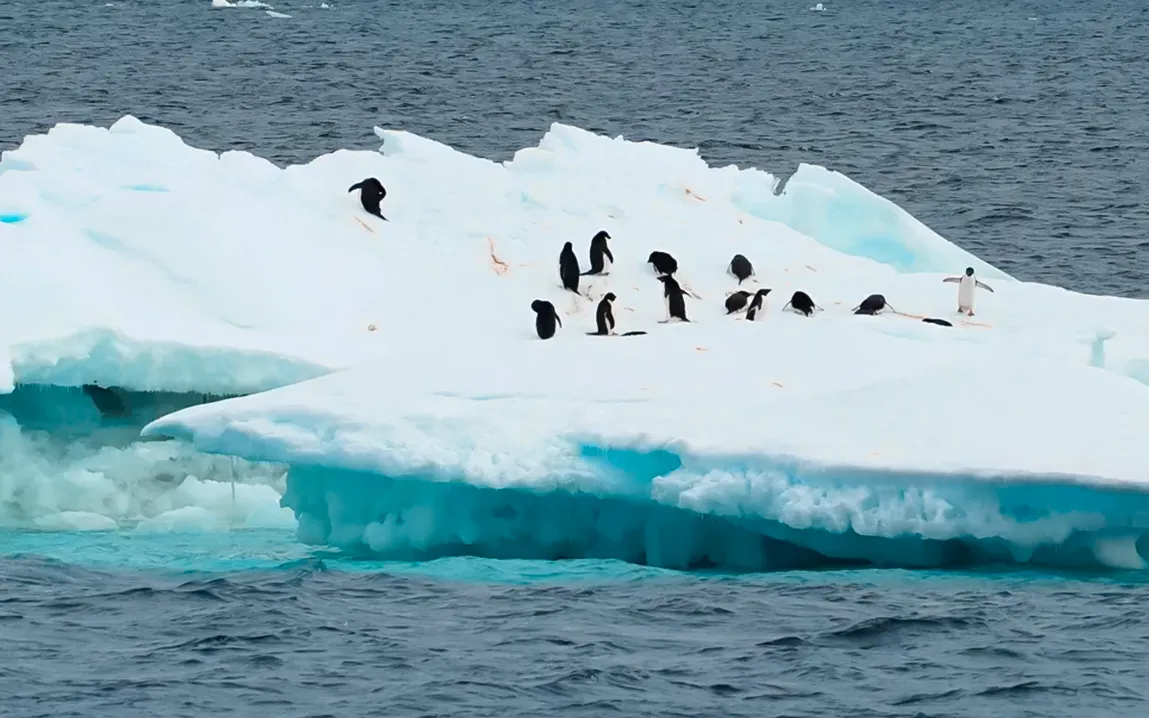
1015,128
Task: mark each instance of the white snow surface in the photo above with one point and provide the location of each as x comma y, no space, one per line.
128,258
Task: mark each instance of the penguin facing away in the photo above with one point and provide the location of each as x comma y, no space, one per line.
755,307
873,305
601,259
371,193
675,300
545,318
568,268
741,268
664,264
801,303
737,301
967,287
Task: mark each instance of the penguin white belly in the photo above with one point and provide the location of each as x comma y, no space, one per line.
965,293
606,264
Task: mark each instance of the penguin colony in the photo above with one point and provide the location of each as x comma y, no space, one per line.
372,192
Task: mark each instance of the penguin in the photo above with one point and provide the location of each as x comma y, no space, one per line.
371,192
756,304
872,305
741,268
601,259
967,286
604,317
939,322
664,264
801,303
737,301
545,318
568,268
675,299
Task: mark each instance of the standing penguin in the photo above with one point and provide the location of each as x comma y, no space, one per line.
545,318
604,318
664,264
756,304
568,268
872,305
601,259
737,301
967,286
801,303
675,299
371,193
741,267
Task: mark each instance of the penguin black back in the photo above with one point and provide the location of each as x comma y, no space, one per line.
545,318
872,305
568,268
600,257
663,263
801,302
371,193
737,301
740,267
756,304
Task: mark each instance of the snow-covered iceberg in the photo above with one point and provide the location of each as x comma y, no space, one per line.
429,420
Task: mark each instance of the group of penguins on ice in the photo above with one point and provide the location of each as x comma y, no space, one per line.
674,295
371,192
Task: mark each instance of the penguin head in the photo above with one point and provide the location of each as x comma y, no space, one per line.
539,305
969,271
602,234
761,292
609,297
568,247
652,258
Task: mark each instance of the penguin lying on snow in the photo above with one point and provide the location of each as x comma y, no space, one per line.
801,303
741,268
873,305
371,193
737,301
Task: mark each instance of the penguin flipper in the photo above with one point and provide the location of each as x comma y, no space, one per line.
560,321
986,287
357,185
954,280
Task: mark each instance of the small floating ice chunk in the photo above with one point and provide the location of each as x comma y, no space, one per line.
818,8
273,13
222,3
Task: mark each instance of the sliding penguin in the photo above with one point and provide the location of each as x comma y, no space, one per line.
737,301
675,299
873,305
568,268
604,317
939,322
601,259
371,193
741,268
545,318
664,264
967,286
801,303
755,307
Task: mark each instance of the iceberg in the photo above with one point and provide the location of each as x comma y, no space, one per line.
391,369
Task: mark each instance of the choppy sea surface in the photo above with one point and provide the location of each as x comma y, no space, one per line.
1015,128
